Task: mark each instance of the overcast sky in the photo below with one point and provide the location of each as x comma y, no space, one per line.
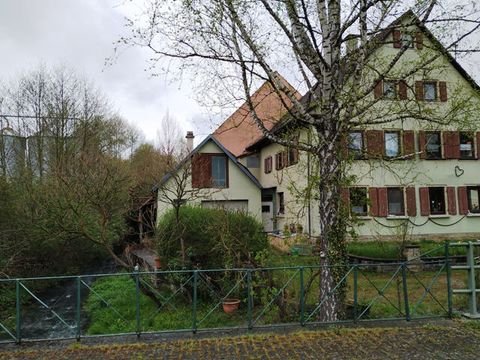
80,34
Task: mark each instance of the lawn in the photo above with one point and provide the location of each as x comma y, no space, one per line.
380,295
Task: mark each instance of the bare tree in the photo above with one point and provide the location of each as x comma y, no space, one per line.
249,42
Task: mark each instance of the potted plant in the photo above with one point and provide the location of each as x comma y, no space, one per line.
230,305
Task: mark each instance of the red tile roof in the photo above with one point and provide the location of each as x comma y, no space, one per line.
240,129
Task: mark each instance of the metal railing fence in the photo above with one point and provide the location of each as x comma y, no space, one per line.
192,300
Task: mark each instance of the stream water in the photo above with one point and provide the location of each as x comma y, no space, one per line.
54,313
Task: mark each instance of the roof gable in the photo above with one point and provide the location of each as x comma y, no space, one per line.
197,149
240,129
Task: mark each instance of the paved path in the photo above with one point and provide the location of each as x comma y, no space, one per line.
449,340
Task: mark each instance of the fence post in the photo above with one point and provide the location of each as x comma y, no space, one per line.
302,297
18,315
78,314
405,292
249,299
355,293
471,281
137,302
194,305
449,279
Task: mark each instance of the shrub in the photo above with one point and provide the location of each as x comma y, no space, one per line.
213,238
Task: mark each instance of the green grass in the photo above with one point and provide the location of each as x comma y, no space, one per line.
392,249
112,309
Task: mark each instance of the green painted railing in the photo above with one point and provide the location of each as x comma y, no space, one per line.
191,300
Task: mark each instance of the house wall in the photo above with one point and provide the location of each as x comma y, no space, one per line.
240,188
414,172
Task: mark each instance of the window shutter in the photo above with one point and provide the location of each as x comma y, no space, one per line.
409,143
419,90
397,44
277,161
424,201
268,165
411,201
452,201
443,91
373,201
478,145
201,171
419,40
462,200
451,144
285,159
402,90
378,90
421,144
345,196
382,202
374,143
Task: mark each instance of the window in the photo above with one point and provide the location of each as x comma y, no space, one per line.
396,204
292,156
392,143
268,165
437,200
358,201
219,171
406,40
389,89
433,147
281,203
473,196
430,90
466,145
253,162
280,160
355,144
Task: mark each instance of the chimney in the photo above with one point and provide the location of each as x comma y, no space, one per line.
189,138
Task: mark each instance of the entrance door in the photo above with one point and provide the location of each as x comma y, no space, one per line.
267,215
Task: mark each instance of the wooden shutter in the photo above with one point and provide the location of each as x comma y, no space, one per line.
373,200
411,201
419,90
462,200
452,201
201,170
402,90
451,144
443,91
268,165
478,145
397,44
409,143
422,141
382,202
424,201
277,161
345,196
419,40
374,143
378,90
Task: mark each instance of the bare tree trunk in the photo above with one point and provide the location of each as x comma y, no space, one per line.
332,235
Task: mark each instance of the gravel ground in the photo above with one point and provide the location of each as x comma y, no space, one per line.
437,340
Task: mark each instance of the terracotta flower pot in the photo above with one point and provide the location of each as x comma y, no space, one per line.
230,305
158,263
